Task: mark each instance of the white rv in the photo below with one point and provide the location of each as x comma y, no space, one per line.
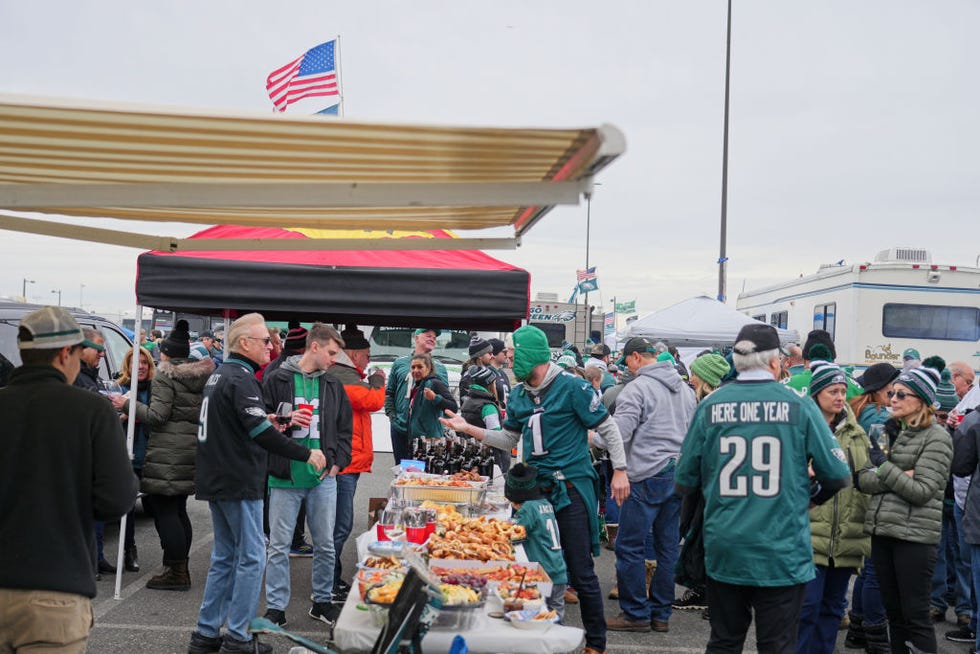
875,310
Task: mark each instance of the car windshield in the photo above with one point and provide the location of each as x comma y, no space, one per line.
452,345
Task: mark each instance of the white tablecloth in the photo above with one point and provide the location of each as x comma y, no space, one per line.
355,632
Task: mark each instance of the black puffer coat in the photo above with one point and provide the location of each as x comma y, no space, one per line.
172,417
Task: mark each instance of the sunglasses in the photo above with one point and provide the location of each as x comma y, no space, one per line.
901,395
267,340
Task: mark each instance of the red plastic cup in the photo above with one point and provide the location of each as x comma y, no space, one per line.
308,407
381,532
416,535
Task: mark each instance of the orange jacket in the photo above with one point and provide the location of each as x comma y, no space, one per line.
365,398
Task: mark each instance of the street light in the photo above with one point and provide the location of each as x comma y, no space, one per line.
58,291
588,229
26,282
81,289
723,247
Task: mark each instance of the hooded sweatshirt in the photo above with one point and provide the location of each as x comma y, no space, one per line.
653,413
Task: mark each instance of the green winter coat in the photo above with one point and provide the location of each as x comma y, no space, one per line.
904,507
399,387
837,526
172,416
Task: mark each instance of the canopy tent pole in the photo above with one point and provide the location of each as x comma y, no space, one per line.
130,436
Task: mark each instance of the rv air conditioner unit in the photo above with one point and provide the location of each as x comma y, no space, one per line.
904,255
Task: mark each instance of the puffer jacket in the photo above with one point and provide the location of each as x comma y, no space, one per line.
904,507
172,416
837,527
424,414
366,397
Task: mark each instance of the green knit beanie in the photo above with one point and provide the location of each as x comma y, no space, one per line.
710,368
946,392
530,350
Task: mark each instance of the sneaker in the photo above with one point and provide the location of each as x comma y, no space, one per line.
325,612
304,551
961,635
340,592
622,623
201,644
276,616
235,646
693,600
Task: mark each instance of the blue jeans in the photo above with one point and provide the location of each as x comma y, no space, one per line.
866,598
652,507
576,545
964,574
346,487
234,583
321,511
949,560
823,608
974,553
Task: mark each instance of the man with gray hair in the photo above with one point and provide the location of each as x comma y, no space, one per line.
235,432
749,448
64,465
399,389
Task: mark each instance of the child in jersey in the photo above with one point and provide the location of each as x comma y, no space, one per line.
535,513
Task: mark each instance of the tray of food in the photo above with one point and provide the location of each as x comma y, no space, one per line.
481,539
533,619
495,572
463,607
415,487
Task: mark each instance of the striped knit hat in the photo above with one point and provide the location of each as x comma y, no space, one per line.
923,382
825,374
946,393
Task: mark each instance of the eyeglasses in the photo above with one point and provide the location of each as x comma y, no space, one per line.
901,395
267,340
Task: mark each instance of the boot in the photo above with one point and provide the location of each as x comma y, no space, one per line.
651,568
876,639
614,593
131,560
174,577
611,530
855,633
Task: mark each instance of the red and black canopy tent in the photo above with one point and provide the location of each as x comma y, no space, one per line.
463,289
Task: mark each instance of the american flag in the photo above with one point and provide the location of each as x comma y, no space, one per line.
312,74
587,281
585,275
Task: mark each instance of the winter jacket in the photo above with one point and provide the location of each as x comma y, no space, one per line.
87,378
904,507
141,433
966,462
653,413
398,392
478,405
837,526
64,465
365,398
172,417
424,414
872,414
336,417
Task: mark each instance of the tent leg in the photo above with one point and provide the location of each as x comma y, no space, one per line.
130,436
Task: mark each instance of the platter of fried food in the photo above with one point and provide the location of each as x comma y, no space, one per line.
532,619
496,573
383,563
481,539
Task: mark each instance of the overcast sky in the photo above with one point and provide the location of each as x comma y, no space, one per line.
853,124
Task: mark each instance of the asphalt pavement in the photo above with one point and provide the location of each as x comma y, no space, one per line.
160,622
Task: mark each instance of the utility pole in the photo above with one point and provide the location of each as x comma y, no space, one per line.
24,292
722,253
58,291
81,289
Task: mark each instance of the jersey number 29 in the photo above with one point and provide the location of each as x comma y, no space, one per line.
764,461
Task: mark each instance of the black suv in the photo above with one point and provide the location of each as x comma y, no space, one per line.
11,313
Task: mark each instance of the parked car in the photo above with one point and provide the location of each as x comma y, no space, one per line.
11,313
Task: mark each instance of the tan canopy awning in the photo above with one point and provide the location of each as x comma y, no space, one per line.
152,164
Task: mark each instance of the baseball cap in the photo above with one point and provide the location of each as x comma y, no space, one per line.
49,328
422,330
207,333
599,350
762,337
636,344
911,353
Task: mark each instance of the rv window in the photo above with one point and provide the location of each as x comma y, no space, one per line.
825,317
779,319
761,317
554,332
931,322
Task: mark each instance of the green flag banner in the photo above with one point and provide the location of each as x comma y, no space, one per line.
626,307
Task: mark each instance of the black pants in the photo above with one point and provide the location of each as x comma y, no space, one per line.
173,525
576,542
905,577
777,616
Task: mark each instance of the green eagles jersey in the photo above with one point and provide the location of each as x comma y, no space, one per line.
305,391
555,425
748,448
542,543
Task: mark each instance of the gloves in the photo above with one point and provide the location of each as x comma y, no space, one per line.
875,454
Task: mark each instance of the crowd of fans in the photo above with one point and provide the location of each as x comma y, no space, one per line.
766,480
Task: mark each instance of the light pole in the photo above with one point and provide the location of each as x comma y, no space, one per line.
722,253
58,291
588,229
26,282
81,290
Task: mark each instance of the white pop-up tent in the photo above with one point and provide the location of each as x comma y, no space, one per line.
134,163
698,322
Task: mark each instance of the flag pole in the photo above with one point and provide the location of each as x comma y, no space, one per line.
340,80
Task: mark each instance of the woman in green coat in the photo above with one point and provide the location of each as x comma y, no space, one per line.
430,396
837,526
905,514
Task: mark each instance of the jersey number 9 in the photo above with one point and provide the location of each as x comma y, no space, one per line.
764,466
